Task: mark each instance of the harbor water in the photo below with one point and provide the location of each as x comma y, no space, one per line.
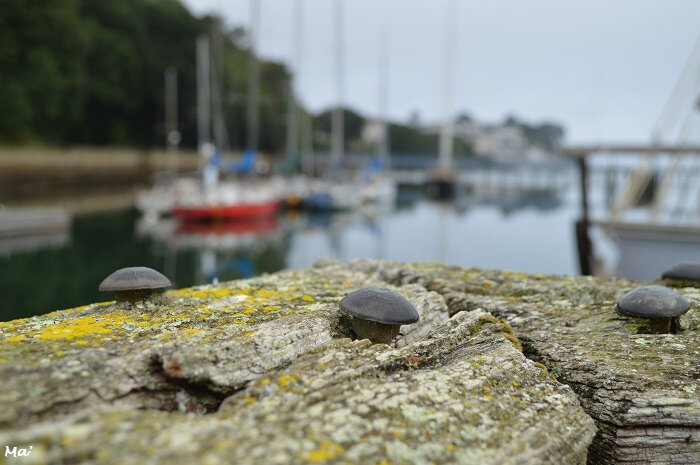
533,233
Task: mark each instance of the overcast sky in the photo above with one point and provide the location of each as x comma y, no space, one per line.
603,68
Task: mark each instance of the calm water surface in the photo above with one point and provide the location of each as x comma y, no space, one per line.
533,234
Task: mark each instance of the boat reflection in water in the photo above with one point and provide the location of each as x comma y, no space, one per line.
463,231
223,250
226,250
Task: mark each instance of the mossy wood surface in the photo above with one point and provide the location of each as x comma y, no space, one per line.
266,370
643,389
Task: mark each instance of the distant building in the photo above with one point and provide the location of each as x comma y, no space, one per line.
507,142
372,131
493,141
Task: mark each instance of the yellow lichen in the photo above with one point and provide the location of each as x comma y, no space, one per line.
75,329
199,293
190,332
205,310
284,379
326,451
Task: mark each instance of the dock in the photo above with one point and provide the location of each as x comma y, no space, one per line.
15,222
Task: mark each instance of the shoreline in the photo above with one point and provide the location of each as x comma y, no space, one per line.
32,173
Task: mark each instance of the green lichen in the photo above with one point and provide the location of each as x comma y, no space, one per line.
642,383
295,385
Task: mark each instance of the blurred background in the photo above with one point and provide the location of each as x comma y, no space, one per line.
215,140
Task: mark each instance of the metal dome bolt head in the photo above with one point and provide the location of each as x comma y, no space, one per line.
660,305
683,271
134,283
378,313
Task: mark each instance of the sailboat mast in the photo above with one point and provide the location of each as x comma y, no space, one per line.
217,85
448,129
172,135
203,93
384,96
337,122
293,110
253,76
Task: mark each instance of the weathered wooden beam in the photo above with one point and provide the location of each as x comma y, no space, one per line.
641,388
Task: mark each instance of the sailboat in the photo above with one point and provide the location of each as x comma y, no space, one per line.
241,197
338,191
228,200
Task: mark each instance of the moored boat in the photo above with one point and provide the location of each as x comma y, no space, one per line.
240,211
229,200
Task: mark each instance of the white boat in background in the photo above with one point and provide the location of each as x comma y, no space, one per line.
330,195
645,253
326,195
379,189
159,200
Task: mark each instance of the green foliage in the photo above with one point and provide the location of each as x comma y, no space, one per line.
352,123
91,72
410,140
40,73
